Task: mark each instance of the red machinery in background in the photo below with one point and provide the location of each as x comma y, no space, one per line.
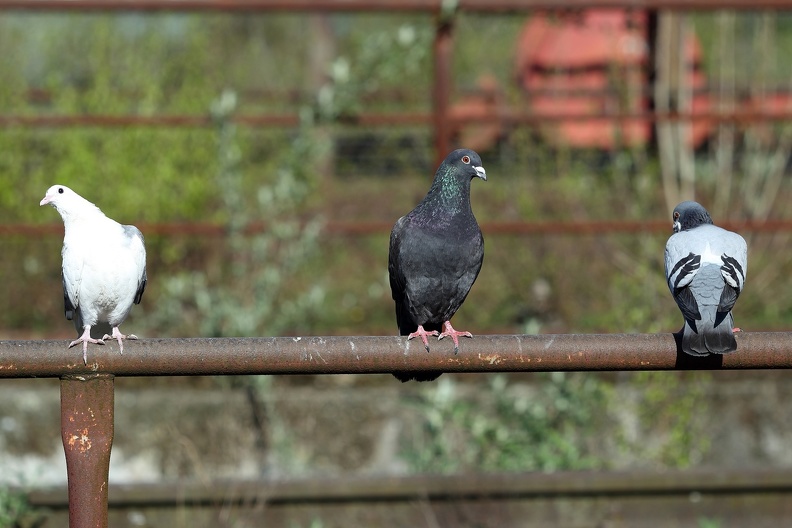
593,62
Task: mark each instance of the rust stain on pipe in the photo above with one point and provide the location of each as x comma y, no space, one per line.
374,355
87,434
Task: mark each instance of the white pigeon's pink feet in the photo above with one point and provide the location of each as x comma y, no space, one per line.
454,334
118,336
85,338
422,334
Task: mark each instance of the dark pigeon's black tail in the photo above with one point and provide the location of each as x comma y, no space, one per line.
408,375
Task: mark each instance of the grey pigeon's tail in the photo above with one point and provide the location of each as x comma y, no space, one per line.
709,339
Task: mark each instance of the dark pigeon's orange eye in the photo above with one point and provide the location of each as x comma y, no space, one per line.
676,215
466,159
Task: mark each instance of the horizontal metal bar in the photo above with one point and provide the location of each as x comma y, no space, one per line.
458,117
377,355
364,228
435,487
490,6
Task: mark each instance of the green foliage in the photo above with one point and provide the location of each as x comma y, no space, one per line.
506,426
670,413
15,510
257,295
379,59
708,522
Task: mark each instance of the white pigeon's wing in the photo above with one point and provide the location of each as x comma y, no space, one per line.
137,243
68,307
72,277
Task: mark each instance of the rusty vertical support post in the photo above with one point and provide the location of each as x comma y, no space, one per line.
87,432
441,94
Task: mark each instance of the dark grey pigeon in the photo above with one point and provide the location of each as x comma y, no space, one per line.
435,255
705,269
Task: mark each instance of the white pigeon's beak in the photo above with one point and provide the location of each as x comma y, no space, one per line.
481,173
44,201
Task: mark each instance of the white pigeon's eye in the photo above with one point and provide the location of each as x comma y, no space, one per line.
60,190
466,160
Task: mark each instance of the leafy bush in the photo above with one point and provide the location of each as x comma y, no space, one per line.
506,426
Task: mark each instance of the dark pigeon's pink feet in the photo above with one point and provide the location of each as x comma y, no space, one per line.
455,335
422,334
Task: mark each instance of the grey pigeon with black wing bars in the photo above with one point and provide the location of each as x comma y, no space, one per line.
705,268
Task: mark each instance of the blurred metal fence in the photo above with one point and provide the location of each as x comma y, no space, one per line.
530,500
442,119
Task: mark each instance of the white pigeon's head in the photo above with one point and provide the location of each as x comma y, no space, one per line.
67,202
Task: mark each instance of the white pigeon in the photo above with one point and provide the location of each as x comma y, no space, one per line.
705,269
104,267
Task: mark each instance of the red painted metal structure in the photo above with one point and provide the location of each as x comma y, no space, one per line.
587,62
87,390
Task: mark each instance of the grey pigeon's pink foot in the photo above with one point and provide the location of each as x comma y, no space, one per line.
85,338
455,335
118,336
422,334
735,330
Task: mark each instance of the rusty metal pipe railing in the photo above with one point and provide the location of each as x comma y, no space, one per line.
376,355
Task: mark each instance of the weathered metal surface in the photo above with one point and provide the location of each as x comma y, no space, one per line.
488,6
87,433
372,355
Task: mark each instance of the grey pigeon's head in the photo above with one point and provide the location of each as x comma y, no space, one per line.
688,215
465,162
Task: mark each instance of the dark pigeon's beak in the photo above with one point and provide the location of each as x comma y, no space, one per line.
481,173
677,227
